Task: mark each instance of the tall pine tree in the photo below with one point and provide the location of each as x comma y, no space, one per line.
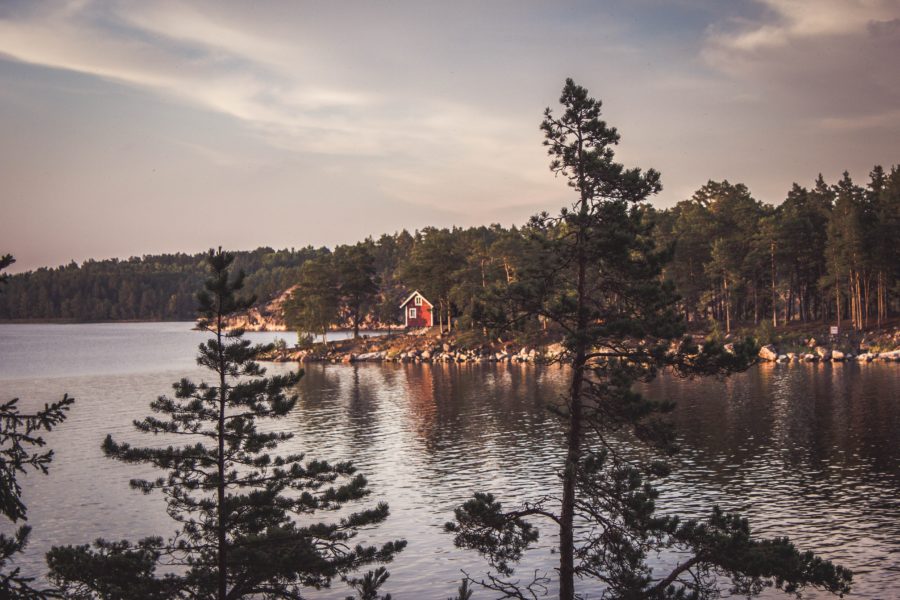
601,285
246,528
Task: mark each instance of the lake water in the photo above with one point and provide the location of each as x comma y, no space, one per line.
805,450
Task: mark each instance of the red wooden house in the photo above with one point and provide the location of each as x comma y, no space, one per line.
418,311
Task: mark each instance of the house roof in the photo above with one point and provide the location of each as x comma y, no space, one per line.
413,295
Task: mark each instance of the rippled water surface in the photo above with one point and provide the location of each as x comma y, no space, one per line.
809,451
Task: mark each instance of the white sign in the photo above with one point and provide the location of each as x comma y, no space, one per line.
834,330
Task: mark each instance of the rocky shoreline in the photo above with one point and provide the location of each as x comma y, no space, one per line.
883,346
769,353
419,346
430,346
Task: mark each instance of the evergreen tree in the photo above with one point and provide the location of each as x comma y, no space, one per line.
313,305
357,281
601,286
20,451
846,249
5,261
884,193
432,268
797,232
690,230
238,506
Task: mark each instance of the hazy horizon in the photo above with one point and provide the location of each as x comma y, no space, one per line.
135,128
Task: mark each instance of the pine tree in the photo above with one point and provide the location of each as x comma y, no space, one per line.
20,443
238,506
846,248
601,285
357,282
313,306
432,268
20,451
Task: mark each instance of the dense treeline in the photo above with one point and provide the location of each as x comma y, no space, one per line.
160,287
827,253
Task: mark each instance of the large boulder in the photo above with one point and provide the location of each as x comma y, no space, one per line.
892,355
823,353
768,352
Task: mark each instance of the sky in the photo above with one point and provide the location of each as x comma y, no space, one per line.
135,127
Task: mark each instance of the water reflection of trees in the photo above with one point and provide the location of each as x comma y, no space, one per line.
806,450
492,417
802,449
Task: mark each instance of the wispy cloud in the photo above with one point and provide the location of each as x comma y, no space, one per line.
787,21
829,62
212,60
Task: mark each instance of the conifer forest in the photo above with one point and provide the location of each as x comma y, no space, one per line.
827,252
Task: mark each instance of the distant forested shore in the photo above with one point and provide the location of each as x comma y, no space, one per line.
828,252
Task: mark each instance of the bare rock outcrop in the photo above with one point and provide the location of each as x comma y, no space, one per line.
768,352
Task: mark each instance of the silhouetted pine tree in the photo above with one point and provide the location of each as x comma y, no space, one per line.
244,513
599,282
20,445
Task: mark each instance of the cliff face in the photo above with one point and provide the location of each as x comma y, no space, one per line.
268,317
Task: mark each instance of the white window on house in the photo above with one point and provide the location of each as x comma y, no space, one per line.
418,301
412,313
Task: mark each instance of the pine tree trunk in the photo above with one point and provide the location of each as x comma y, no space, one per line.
573,442
573,456
789,309
573,447
867,286
727,306
220,484
837,302
774,293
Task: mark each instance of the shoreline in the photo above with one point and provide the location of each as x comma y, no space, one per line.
430,346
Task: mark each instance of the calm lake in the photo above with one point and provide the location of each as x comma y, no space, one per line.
808,451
